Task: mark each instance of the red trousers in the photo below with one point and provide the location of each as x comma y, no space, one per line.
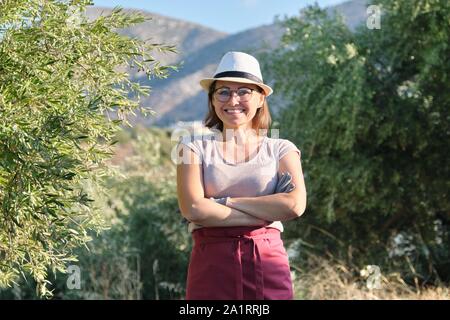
238,263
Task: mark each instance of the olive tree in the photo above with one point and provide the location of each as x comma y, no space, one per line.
64,94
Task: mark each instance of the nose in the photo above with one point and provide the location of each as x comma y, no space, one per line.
234,99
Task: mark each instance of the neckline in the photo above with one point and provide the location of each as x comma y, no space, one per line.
261,145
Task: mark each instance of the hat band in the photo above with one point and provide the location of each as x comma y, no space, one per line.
238,74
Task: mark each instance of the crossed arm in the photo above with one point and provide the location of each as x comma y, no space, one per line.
243,211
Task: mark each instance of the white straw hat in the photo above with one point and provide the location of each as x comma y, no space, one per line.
238,67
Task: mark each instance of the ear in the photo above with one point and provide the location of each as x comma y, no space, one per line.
262,98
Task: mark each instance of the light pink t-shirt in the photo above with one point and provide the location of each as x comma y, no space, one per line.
256,177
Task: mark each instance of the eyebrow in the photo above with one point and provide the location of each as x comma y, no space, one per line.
237,88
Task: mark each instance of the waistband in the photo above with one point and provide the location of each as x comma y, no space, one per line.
226,234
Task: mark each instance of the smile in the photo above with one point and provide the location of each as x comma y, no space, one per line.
234,111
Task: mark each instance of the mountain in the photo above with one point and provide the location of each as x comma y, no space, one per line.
179,97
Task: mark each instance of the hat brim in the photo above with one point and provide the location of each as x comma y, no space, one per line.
206,83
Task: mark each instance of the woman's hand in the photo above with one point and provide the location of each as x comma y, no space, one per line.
222,201
285,183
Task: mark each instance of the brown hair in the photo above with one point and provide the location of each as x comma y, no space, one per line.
261,121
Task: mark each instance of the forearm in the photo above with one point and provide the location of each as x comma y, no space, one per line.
208,213
273,207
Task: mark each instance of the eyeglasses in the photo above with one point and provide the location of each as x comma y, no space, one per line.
224,94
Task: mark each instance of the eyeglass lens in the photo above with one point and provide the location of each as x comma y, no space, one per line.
224,94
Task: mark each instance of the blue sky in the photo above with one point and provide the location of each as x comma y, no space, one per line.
228,16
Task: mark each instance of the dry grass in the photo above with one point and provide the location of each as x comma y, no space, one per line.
325,280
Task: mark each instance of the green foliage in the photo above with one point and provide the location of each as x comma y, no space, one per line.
64,92
144,253
369,110
145,205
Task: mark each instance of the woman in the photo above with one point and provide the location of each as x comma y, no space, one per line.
235,186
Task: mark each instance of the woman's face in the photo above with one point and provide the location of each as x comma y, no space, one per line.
237,110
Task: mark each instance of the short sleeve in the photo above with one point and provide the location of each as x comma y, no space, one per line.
285,146
193,143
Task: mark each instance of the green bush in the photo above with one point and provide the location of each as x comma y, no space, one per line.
370,111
